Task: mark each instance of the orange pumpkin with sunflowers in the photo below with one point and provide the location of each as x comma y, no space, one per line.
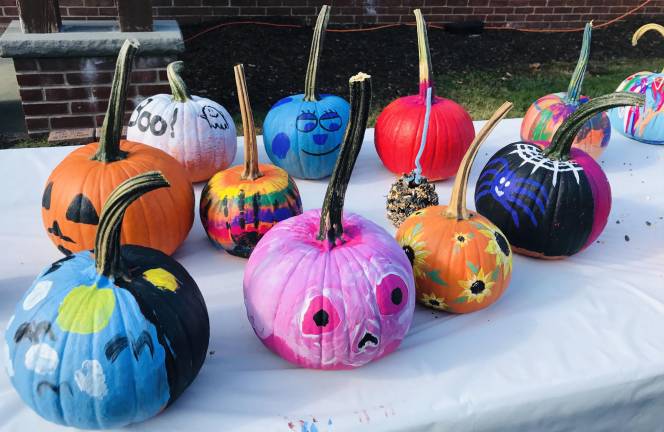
461,261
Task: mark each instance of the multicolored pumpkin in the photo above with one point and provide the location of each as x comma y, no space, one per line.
461,261
326,290
198,132
399,127
551,202
239,205
107,340
78,187
545,116
302,133
645,123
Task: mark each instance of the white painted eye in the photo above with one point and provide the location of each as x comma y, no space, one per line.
502,180
508,184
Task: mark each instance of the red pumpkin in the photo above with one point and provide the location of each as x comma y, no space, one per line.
399,127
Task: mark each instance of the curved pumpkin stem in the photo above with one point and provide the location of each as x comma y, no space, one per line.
644,29
107,241
561,143
333,205
178,86
251,170
111,130
310,91
575,84
426,68
457,208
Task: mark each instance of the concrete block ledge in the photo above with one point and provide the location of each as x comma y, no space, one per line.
89,38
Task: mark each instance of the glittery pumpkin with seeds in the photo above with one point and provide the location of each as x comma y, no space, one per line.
461,261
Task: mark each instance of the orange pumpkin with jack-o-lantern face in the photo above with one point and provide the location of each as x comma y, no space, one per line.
80,184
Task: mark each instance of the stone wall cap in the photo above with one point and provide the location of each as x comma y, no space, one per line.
89,38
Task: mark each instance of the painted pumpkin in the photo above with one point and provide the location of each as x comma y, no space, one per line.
545,116
198,132
302,133
645,123
328,290
78,187
551,202
399,126
239,205
461,261
107,340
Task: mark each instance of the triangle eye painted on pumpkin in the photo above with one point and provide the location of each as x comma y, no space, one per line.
81,210
46,198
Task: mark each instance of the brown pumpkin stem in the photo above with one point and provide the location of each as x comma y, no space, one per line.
111,130
644,29
561,143
457,208
178,87
251,170
333,205
426,68
310,91
107,241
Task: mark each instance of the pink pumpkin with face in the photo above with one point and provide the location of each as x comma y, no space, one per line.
329,307
326,290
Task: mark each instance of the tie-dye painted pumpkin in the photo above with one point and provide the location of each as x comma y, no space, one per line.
551,202
302,133
646,123
239,205
328,290
107,340
461,261
546,115
399,127
78,187
198,132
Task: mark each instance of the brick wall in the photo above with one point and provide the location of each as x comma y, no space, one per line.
512,13
61,93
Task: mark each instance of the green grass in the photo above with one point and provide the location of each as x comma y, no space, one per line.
482,92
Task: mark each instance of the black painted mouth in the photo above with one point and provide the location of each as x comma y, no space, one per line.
321,154
368,338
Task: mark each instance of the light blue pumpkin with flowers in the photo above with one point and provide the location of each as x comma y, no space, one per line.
109,339
303,133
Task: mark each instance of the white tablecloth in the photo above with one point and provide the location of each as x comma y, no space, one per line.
575,344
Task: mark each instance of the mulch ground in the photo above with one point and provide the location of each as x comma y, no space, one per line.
275,58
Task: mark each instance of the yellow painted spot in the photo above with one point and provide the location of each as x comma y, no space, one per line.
86,309
161,279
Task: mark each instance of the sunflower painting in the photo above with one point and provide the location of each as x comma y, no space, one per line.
461,265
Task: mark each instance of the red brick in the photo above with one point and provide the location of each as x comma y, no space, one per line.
72,122
45,109
39,80
31,95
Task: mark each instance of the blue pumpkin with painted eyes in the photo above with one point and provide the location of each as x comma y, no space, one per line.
302,133
304,137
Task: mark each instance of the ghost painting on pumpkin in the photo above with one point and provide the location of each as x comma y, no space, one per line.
72,349
304,137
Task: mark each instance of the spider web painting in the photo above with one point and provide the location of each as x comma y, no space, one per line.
531,154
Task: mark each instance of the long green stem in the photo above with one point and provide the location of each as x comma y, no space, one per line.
251,170
575,84
561,143
107,241
333,205
426,68
310,91
178,87
111,130
457,208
